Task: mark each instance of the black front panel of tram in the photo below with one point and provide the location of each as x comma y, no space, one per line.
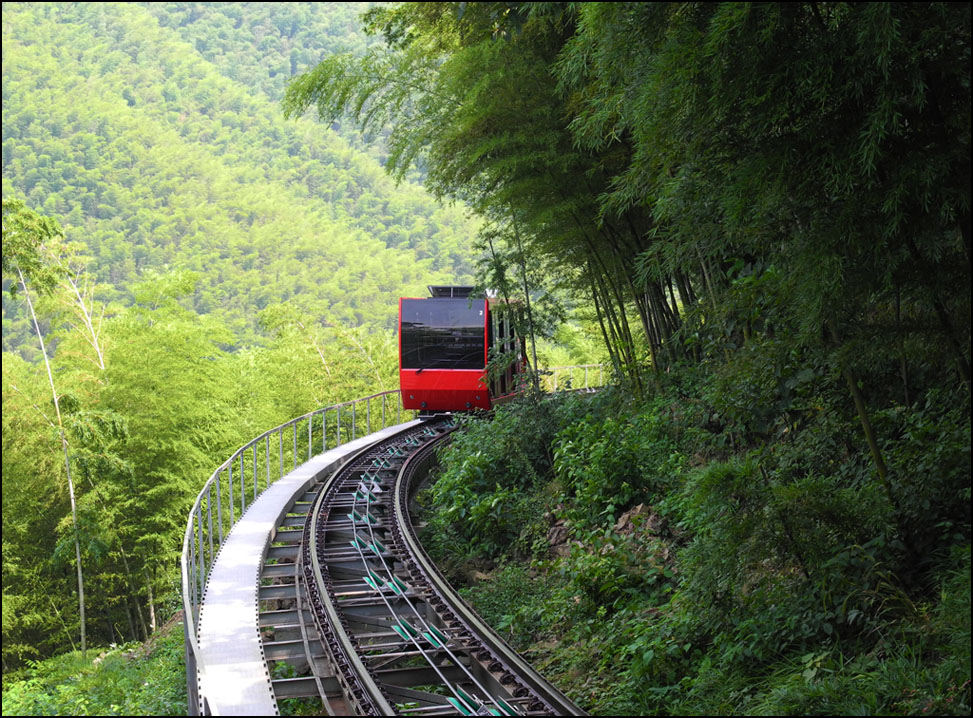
443,334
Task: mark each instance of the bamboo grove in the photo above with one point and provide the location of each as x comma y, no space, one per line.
700,174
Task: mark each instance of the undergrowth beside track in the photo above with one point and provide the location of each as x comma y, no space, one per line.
131,679
682,554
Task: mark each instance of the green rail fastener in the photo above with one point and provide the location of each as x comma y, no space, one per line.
372,491
435,638
378,549
435,633
506,707
397,585
405,629
359,544
357,518
374,581
459,706
468,699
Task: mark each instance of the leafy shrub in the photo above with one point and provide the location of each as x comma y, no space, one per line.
123,680
524,605
607,571
605,466
928,452
490,498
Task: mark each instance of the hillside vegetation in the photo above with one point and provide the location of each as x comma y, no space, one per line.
658,557
142,130
767,209
761,210
200,270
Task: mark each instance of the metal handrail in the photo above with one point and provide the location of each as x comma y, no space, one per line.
550,376
203,537
214,512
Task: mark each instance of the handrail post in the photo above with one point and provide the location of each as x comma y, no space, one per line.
243,487
209,511
202,556
219,504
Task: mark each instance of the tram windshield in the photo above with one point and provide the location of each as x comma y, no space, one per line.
443,334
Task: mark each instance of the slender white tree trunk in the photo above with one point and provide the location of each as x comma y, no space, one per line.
67,462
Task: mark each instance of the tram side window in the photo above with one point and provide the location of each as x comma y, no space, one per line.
443,334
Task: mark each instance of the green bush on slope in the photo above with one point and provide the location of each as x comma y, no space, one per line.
778,579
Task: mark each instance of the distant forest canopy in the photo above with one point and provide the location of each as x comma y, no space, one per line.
152,132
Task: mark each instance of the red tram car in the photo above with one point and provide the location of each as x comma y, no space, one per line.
444,345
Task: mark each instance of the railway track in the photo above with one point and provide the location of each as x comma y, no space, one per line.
370,617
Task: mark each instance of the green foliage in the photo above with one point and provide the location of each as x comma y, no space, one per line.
607,572
519,602
171,400
201,174
487,498
131,679
929,450
776,581
610,464
25,234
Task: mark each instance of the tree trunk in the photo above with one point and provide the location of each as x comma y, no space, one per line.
67,464
530,315
148,586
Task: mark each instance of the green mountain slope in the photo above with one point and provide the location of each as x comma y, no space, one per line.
147,153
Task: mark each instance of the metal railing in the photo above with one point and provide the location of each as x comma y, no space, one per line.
578,376
267,458
247,473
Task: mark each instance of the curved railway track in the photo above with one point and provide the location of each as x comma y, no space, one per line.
396,638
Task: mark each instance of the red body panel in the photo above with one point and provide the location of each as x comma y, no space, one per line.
444,389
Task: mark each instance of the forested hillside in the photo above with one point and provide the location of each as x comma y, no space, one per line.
762,210
767,207
199,270
153,134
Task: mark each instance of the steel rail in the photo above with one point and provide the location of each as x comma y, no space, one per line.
202,540
454,688
481,674
360,688
557,702
214,511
